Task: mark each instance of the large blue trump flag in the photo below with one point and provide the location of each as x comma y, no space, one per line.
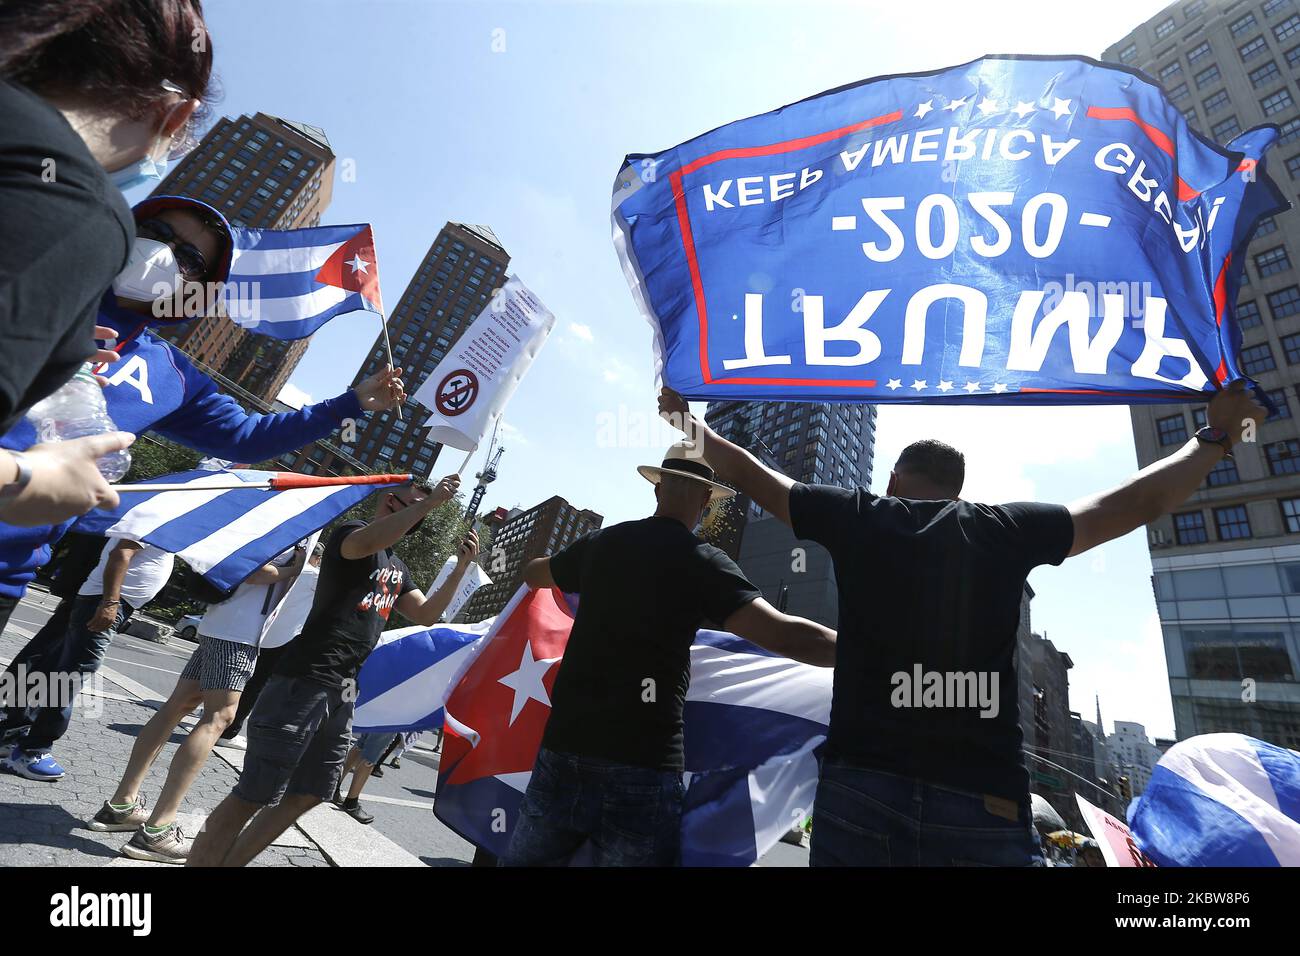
1022,229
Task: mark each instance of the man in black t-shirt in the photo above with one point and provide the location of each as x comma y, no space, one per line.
923,761
301,727
609,771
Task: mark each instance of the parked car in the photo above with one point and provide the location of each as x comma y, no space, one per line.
188,627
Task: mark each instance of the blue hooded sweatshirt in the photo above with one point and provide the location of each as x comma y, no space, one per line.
154,387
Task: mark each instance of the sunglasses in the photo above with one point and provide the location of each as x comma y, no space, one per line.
188,257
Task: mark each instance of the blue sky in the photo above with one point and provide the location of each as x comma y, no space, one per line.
518,116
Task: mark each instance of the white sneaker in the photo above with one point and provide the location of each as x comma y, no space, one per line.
234,743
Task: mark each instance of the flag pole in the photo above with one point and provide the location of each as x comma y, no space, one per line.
383,324
461,470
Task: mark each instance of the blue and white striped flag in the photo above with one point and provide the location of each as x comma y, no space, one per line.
288,283
408,676
1221,800
225,533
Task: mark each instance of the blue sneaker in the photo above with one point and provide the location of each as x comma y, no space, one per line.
33,764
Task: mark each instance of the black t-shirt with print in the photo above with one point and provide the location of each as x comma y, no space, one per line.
930,587
645,588
352,603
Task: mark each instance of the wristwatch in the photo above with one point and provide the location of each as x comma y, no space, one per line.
15,487
1217,436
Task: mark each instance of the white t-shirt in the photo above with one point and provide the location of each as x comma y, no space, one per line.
288,618
146,575
240,617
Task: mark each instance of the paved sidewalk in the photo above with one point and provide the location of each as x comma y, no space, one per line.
43,823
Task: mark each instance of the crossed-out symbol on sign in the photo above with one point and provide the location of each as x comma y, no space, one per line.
456,392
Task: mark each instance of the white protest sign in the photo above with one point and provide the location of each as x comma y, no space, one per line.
470,387
474,579
1112,836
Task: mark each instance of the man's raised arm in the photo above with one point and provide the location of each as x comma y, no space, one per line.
427,611
733,464
1162,486
387,531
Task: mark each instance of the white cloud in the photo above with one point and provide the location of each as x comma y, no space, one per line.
510,435
294,397
582,331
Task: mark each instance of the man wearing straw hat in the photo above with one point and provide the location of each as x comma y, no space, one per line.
609,772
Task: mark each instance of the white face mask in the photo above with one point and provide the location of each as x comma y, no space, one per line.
151,274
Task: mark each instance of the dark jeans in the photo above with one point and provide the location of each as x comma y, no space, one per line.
262,670
870,818
62,647
628,816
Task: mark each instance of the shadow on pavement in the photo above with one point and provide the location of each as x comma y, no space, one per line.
47,826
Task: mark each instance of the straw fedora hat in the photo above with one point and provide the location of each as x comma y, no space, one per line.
684,461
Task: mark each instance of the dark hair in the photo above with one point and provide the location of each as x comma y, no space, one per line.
115,53
941,464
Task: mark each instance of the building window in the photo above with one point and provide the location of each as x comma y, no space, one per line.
1283,457
1216,102
1232,523
1169,71
1225,130
1172,430
1284,302
1290,130
1199,52
1224,473
1291,346
1248,315
1252,49
1278,397
1265,226
1277,102
1257,358
1273,7
1265,75
1164,29
1178,92
1287,28
1242,24
1189,528
1272,261
1291,514
1126,55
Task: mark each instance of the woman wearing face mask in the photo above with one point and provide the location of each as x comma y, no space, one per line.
95,96
182,247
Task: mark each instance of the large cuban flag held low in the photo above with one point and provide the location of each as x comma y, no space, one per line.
753,726
226,533
288,283
1015,229
1221,800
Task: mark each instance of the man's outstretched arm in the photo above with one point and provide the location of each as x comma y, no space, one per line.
385,532
792,637
1163,485
769,488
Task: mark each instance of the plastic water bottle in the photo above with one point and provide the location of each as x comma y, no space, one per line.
76,410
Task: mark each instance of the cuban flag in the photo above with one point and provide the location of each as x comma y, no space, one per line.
407,678
753,726
1221,800
1033,230
288,283
227,524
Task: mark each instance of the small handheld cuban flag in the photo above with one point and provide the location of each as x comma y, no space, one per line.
227,524
1016,229
288,283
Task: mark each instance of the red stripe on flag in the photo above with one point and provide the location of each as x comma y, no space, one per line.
284,480
1157,136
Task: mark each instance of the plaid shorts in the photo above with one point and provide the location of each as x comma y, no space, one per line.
220,665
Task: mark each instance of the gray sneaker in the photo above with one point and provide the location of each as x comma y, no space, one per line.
111,820
169,846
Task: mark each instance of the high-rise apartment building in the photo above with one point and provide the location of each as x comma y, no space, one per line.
452,285
1227,565
535,533
259,171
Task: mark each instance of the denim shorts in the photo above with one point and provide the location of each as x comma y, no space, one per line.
372,746
298,737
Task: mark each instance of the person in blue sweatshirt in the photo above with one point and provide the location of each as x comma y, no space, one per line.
155,387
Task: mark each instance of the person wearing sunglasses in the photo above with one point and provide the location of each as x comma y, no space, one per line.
154,386
95,96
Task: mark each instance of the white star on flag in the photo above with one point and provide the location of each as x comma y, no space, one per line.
526,682
894,384
919,385
972,387
999,388
1023,109
1061,107
956,104
357,263
987,106
924,108
945,386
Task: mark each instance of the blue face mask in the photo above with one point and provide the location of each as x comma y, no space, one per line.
145,171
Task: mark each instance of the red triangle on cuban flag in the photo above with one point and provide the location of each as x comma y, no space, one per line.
354,267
